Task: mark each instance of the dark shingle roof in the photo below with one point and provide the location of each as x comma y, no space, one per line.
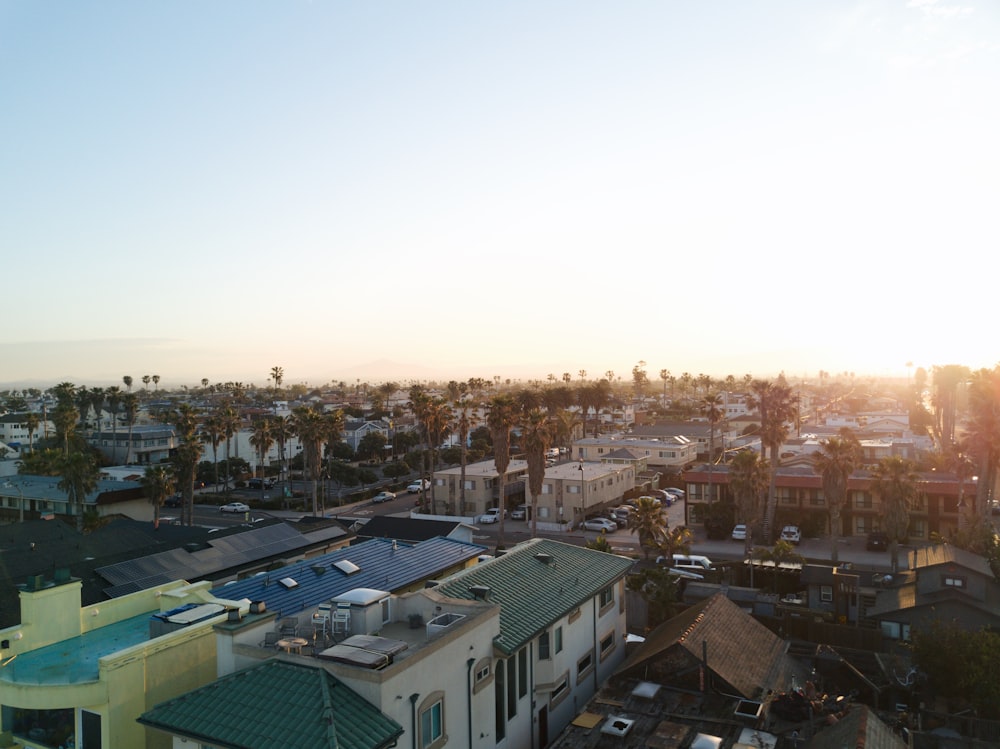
859,728
740,650
382,565
405,529
536,583
276,704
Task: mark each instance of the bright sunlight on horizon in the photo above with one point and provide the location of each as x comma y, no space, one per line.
397,191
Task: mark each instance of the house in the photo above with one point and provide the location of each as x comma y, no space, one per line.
562,632
125,556
411,530
481,488
26,497
670,453
943,583
355,430
276,703
80,675
860,727
144,444
14,430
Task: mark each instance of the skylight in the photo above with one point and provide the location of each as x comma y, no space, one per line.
347,566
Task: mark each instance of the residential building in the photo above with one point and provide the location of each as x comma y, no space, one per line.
14,430
355,430
943,583
670,454
76,675
482,488
25,497
562,633
148,444
800,500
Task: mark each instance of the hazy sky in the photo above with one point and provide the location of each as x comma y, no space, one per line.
417,189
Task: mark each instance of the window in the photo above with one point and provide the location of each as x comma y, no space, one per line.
826,593
511,689
546,488
583,667
469,484
572,489
544,652
574,615
607,644
522,672
950,581
607,597
862,500
558,639
432,722
560,690
483,671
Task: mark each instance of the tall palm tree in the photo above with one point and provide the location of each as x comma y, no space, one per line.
156,382
463,422
158,484
65,417
894,481
186,456
312,433
96,396
31,423
418,404
711,408
263,440
665,376
283,430
501,418
79,472
748,477
536,436
775,403
114,395
145,382
213,431
229,419
130,402
333,432
278,376
835,461
127,379
649,523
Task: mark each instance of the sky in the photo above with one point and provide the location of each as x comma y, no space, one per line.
398,190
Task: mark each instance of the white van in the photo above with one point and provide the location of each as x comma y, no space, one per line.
691,562
552,452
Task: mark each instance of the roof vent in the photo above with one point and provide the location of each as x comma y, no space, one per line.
616,725
289,582
319,569
481,592
545,558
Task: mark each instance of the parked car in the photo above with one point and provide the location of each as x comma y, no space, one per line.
877,541
519,513
739,532
690,562
174,500
622,513
492,515
678,493
256,483
664,496
600,524
418,486
791,534
235,507
383,497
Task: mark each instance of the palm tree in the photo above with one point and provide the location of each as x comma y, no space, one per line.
774,402
186,456
158,484
156,382
463,423
748,477
65,417
311,430
649,523
114,394
145,382
96,396
500,419
79,473
213,432
536,436
894,481
278,376
418,405
676,541
127,379
710,407
262,439
283,430
333,430
665,376
229,420
437,416
835,461
31,422
130,401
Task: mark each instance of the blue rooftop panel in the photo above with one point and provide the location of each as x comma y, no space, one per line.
382,564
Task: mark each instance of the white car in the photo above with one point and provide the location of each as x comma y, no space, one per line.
492,515
235,507
600,524
418,486
791,534
383,497
739,532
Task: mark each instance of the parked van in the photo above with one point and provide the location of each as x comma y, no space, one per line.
691,562
552,452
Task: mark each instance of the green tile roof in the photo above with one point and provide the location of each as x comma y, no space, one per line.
273,705
537,583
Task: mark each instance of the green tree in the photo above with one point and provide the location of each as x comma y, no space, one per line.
536,435
79,472
372,446
130,402
781,553
649,523
835,461
311,429
262,440
711,408
960,665
158,484
659,589
186,456
894,482
748,477
114,396
775,404
501,419
213,432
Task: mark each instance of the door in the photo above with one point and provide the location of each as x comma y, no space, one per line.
543,727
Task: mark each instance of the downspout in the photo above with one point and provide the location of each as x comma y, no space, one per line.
595,604
413,717
468,683
531,685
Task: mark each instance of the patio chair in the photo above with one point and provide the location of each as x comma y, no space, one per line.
270,640
289,627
